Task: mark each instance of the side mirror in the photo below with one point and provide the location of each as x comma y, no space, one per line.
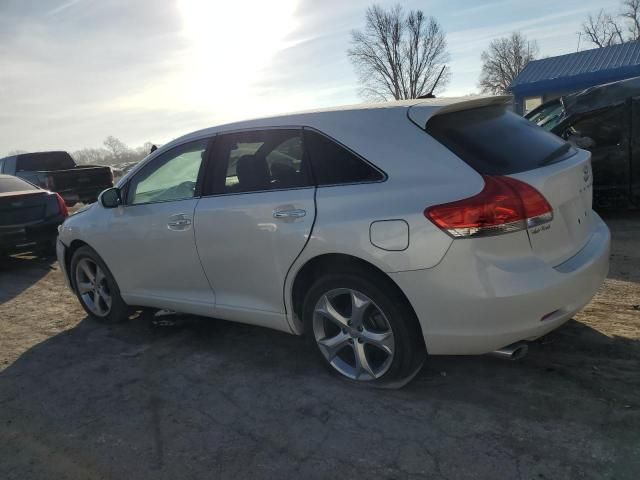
111,198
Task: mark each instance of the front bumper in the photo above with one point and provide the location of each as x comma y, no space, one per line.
475,302
61,253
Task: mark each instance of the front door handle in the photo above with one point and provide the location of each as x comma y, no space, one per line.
179,222
296,213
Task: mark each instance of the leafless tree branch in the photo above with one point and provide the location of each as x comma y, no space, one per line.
606,29
398,55
504,60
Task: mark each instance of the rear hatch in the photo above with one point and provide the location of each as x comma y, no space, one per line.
496,142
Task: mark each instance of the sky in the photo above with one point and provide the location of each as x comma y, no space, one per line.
73,72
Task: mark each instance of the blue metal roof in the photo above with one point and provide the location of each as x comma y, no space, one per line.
579,70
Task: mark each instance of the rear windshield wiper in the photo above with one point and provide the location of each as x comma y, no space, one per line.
558,152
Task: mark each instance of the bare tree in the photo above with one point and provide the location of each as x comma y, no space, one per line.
602,30
398,55
631,12
92,156
606,29
504,60
116,148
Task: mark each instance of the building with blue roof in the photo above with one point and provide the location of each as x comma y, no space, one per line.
549,78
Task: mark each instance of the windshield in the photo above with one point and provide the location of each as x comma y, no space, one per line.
547,117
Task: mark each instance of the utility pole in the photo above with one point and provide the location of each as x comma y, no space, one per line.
579,37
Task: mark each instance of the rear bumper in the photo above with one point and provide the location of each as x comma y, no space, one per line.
475,302
16,238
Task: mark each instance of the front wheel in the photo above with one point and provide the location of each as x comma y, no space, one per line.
96,288
364,330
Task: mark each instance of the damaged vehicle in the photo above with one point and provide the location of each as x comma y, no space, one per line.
606,121
445,226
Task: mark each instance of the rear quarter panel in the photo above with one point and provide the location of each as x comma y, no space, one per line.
420,173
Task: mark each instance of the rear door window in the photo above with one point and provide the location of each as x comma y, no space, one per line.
260,160
333,164
495,141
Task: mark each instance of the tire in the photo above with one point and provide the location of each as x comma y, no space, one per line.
100,296
379,344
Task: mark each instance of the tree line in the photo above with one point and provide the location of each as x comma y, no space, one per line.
112,152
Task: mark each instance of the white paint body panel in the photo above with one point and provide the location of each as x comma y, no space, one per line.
239,263
246,252
390,235
479,299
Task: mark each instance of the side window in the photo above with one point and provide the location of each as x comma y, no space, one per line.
260,160
333,164
171,176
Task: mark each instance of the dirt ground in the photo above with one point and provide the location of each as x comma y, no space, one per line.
211,399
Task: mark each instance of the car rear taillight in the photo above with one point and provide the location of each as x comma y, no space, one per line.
61,205
504,205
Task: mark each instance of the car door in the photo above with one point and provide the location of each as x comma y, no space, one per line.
150,247
253,221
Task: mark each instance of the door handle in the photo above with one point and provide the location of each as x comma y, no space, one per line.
178,222
296,213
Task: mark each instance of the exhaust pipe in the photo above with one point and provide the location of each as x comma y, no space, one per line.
515,351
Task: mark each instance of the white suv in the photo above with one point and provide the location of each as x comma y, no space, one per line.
447,226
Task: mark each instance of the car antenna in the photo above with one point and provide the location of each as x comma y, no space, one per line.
430,94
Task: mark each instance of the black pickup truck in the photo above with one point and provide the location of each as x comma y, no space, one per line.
57,172
606,121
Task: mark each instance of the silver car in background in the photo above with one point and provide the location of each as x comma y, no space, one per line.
383,232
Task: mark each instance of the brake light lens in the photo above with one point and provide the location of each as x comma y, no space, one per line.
504,205
62,207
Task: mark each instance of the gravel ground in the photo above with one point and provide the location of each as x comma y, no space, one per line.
211,399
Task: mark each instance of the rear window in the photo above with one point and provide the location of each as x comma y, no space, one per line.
495,141
333,164
29,162
13,184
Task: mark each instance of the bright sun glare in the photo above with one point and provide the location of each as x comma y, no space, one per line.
232,44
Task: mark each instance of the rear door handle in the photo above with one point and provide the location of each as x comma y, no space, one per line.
296,213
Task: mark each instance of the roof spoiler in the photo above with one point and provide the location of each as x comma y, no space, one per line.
420,112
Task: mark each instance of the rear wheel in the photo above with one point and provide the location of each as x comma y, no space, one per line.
363,330
96,288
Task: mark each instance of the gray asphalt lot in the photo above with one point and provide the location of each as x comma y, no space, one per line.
210,399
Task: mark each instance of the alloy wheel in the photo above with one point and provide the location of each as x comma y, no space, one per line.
93,287
353,334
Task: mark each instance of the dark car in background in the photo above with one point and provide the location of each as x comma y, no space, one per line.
58,172
29,216
606,121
